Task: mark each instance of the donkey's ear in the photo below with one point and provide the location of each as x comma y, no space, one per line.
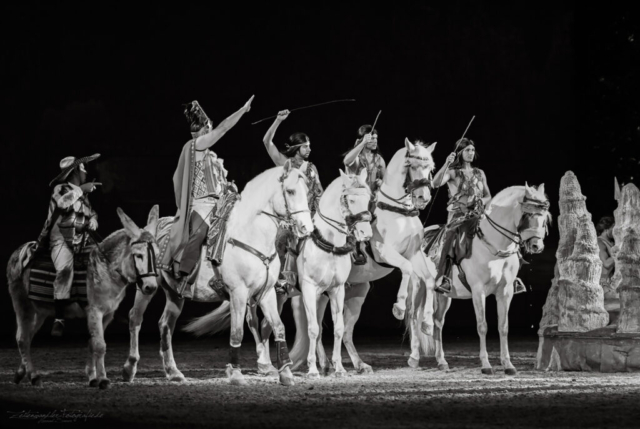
410,146
431,147
152,220
130,227
363,175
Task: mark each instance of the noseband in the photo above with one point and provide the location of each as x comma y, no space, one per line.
286,220
151,263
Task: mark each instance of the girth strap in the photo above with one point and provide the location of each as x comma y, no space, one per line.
400,210
266,260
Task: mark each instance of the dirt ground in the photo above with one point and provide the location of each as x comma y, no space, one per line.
394,396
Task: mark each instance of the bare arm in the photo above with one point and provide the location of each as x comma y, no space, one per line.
352,156
212,137
317,180
277,158
445,174
607,260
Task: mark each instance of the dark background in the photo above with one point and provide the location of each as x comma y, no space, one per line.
553,86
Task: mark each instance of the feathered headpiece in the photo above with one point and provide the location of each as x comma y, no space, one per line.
196,116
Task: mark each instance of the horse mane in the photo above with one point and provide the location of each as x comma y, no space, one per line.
508,197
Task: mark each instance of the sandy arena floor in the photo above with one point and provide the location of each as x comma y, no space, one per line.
394,396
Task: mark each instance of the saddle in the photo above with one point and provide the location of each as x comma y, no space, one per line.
41,274
216,242
453,240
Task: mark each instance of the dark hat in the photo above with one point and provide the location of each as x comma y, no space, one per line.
196,116
69,163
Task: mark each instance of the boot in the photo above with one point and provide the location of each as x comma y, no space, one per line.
286,281
518,286
58,324
58,328
444,286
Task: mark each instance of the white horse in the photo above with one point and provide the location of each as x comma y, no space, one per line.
249,270
323,264
125,257
517,216
396,241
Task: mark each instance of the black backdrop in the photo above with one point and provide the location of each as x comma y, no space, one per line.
552,85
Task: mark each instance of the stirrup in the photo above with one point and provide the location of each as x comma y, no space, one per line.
285,282
518,286
444,286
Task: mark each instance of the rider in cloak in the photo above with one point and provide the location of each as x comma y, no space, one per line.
468,196
199,181
69,220
297,151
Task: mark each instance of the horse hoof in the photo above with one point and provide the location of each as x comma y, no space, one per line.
413,363
93,383
443,367
398,312
104,384
340,374
488,371
235,377
365,369
510,371
426,328
18,376
328,371
127,375
313,375
36,381
177,378
267,369
286,377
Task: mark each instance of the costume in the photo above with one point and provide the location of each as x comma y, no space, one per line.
375,171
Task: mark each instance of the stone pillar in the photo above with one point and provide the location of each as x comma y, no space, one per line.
626,252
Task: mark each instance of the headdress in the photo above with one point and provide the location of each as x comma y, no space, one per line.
196,117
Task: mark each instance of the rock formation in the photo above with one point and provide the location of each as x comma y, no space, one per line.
627,259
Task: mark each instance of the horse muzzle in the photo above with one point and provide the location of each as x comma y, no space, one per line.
534,245
363,231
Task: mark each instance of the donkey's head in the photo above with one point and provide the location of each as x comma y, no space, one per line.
354,204
138,264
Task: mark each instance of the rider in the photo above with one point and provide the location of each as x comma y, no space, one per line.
70,216
199,181
366,155
297,150
468,196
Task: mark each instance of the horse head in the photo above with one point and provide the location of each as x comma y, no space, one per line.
354,204
535,220
138,262
292,202
418,172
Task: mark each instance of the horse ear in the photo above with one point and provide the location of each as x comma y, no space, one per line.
130,227
346,181
152,220
616,191
363,175
410,146
286,169
432,147
541,190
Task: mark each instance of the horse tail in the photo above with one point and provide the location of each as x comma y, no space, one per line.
300,349
16,267
211,323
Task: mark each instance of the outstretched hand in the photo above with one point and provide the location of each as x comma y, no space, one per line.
89,187
247,105
283,114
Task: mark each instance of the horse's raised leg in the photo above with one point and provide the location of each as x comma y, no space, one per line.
310,299
326,368
167,324
424,282
336,295
354,299
238,305
270,309
135,321
504,301
29,322
479,305
444,303
392,257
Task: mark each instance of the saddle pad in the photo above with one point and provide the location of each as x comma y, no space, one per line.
41,274
369,251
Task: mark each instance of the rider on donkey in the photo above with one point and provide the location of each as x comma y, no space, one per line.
297,151
199,181
468,196
70,216
366,155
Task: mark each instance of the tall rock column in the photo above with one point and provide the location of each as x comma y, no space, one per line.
627,259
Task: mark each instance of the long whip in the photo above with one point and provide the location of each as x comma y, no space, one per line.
306,107
445,169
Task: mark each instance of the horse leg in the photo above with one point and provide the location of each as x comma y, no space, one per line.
238,301
354,299
336,295
392,257
135,321
444,303
300,347
423,280
270,309
479,305
504,301
310,299
264,368
264,361
29,322
325,365
167,324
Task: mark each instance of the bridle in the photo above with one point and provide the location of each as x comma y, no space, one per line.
411,185
287,219
151,263
350,218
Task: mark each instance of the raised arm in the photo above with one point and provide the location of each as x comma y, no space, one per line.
277,158
212,137
444,175
353,153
